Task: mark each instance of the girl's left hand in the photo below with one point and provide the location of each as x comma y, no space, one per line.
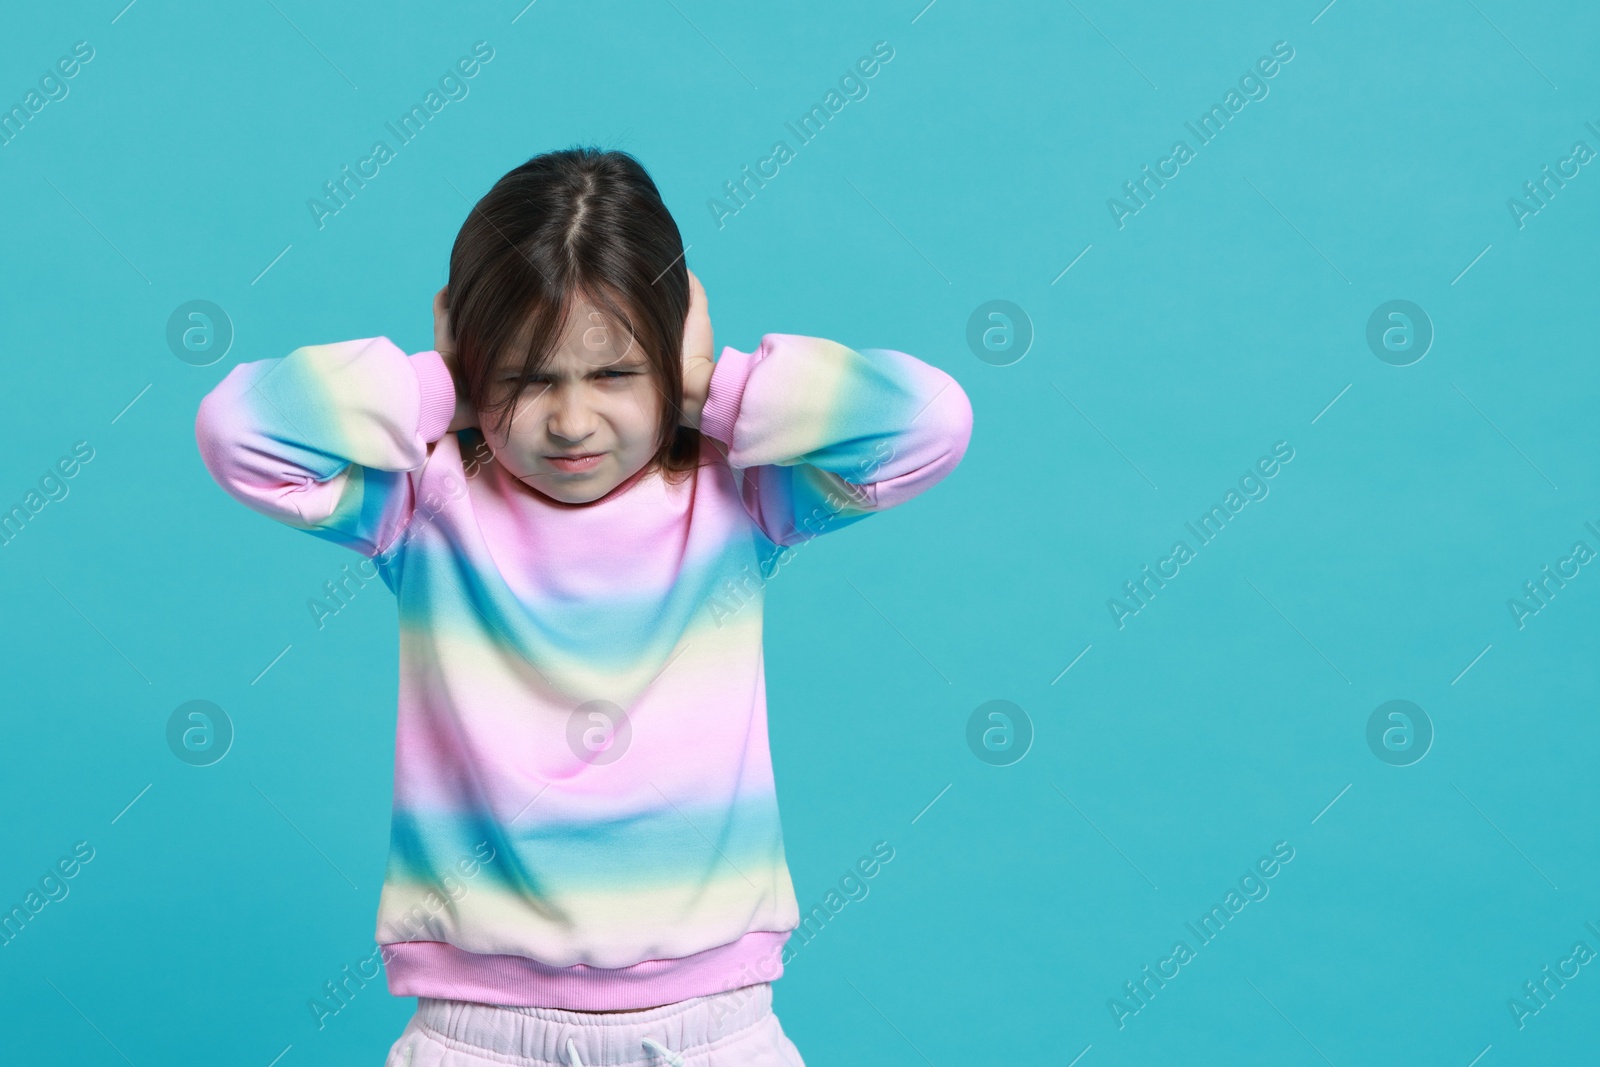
697,361
444,343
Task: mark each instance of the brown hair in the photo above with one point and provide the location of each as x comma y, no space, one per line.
580,222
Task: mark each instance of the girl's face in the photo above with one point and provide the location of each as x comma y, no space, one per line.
589,421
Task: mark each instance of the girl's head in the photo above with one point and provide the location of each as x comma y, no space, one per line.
567,297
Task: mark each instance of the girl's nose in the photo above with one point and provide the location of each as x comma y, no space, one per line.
571,418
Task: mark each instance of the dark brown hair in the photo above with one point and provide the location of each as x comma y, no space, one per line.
578,223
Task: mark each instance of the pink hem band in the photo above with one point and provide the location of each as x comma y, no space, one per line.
724,393
438,407
444,972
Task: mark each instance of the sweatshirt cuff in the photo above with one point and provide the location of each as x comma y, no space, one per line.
438,395
724,394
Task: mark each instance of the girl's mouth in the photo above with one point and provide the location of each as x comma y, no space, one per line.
575,464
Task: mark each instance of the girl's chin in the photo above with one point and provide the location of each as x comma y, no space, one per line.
582,487
568,490
577,490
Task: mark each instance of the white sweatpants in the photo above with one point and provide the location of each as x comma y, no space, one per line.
732,1029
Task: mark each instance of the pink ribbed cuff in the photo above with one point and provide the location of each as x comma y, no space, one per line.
438,394
442,971
724,393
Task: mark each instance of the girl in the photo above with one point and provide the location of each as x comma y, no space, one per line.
576,508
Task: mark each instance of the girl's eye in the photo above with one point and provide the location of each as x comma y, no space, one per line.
541,382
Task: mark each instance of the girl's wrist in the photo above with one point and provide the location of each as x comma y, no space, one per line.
466,416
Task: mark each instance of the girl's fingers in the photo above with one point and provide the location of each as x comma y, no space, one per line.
443,341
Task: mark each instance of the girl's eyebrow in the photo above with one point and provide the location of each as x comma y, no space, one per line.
511,373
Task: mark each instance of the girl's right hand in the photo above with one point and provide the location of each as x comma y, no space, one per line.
444,343
697,361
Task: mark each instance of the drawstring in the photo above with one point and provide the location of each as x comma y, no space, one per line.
665,1053
650,1046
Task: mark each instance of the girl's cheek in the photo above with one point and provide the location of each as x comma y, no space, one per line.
643,408
524,417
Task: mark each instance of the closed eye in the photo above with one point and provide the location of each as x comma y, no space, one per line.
542,380
612,373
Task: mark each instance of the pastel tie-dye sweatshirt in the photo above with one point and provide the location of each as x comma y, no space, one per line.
584,811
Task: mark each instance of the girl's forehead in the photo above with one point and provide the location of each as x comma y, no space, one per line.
578,355
593,335
594,338
581,350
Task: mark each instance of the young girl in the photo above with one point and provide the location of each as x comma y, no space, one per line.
576,508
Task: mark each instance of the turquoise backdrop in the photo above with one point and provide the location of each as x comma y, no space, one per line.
1214,327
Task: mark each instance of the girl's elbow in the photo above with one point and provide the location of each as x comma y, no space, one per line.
951,412
211,436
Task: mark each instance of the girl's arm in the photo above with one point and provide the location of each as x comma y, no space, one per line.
827,435
322,439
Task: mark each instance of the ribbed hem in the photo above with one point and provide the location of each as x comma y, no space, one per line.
438,394
724,393
443,971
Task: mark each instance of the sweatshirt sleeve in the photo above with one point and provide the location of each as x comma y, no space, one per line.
323,439
826,435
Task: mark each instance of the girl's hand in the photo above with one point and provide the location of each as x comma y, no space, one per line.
697,361
444,343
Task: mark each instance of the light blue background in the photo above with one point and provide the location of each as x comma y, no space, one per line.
1223,318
